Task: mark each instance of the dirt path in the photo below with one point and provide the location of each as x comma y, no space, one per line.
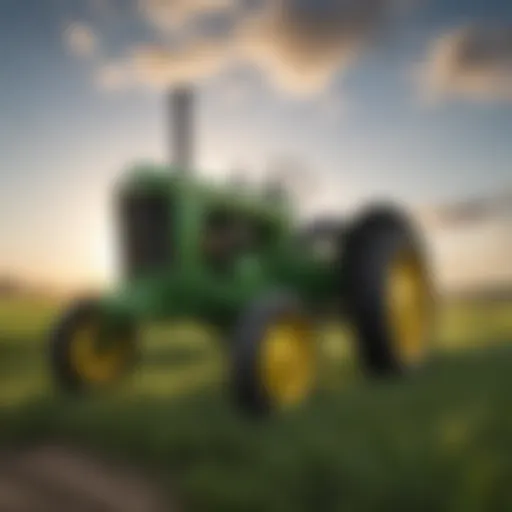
57,479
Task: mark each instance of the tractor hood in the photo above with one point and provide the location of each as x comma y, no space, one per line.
142,178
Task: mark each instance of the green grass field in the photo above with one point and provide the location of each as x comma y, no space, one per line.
439,441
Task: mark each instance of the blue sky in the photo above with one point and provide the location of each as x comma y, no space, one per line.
64,138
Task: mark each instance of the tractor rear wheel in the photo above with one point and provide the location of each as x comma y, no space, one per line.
87,355
274,355
389,293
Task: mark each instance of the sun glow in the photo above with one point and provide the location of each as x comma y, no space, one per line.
104,263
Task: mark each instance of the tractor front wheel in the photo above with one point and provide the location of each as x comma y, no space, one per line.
274,359
86,352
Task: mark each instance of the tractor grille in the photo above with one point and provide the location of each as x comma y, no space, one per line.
145,233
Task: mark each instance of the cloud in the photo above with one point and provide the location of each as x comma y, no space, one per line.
298,44
473,62
302,44
166,15
81,40
158,67
477,210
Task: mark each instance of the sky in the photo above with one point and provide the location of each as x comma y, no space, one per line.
405,99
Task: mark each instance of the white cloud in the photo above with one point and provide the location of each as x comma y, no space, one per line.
298,49
81,40
473,62
168,14
158,67
301,48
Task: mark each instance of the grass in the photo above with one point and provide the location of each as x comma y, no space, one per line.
438,441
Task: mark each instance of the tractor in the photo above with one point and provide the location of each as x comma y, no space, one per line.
237,260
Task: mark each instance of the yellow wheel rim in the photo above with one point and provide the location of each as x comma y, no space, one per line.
408,307
96,366
287,362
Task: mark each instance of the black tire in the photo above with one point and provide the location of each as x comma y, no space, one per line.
250,393
371,244
80,314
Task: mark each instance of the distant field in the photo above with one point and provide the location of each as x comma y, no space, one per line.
440,441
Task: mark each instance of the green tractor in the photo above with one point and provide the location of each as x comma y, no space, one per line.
236,260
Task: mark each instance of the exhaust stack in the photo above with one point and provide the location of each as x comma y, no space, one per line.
181,106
